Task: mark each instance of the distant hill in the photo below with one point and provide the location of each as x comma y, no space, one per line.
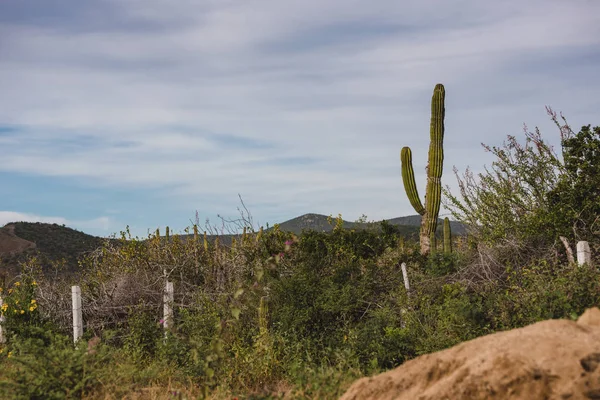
320,223
408,225
52,242
415,220
49,242
315,222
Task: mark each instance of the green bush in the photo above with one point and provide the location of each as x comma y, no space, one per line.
49,366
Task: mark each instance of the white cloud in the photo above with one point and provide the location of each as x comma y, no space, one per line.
164,106
13,216
96,224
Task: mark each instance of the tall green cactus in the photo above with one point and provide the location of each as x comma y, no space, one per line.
435,166
447,236
263,315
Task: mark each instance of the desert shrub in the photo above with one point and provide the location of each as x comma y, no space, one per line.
440,263
443,314
20,308
542,291
337,296
141,336
48,366
530,196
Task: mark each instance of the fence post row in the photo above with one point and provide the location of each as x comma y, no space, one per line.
584,256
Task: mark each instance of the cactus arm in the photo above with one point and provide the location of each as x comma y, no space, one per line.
408,178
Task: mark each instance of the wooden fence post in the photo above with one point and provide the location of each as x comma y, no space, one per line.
77,313
584,256
168,299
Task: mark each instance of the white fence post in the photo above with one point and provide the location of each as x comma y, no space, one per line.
584,256
407,287
168,298
405,276
2,338
77,313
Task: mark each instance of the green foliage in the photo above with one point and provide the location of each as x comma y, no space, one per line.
20,307
441,264
434,172
328,380
142,336
505,202
530,196
338,297
444,315
542,291
574,209
48,366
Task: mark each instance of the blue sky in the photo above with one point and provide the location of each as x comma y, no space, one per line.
139,113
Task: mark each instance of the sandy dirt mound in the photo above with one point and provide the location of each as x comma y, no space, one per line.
554,359
12,244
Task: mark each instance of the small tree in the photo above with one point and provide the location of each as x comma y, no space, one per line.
508,200
531,196
574,202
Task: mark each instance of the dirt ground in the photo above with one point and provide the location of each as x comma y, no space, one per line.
554,359
11,244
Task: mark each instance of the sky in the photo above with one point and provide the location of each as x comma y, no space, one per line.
142,112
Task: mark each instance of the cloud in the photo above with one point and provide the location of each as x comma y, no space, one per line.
13,216
96,224
299,106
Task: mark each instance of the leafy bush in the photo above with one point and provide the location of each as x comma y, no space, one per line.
48,366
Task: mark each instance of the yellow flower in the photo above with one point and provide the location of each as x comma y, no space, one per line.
10,291
16,301
9,354
34,283
31,308
33,301
22,311
4,307
17,283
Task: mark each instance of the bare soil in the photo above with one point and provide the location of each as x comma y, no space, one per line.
554,359
10,243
